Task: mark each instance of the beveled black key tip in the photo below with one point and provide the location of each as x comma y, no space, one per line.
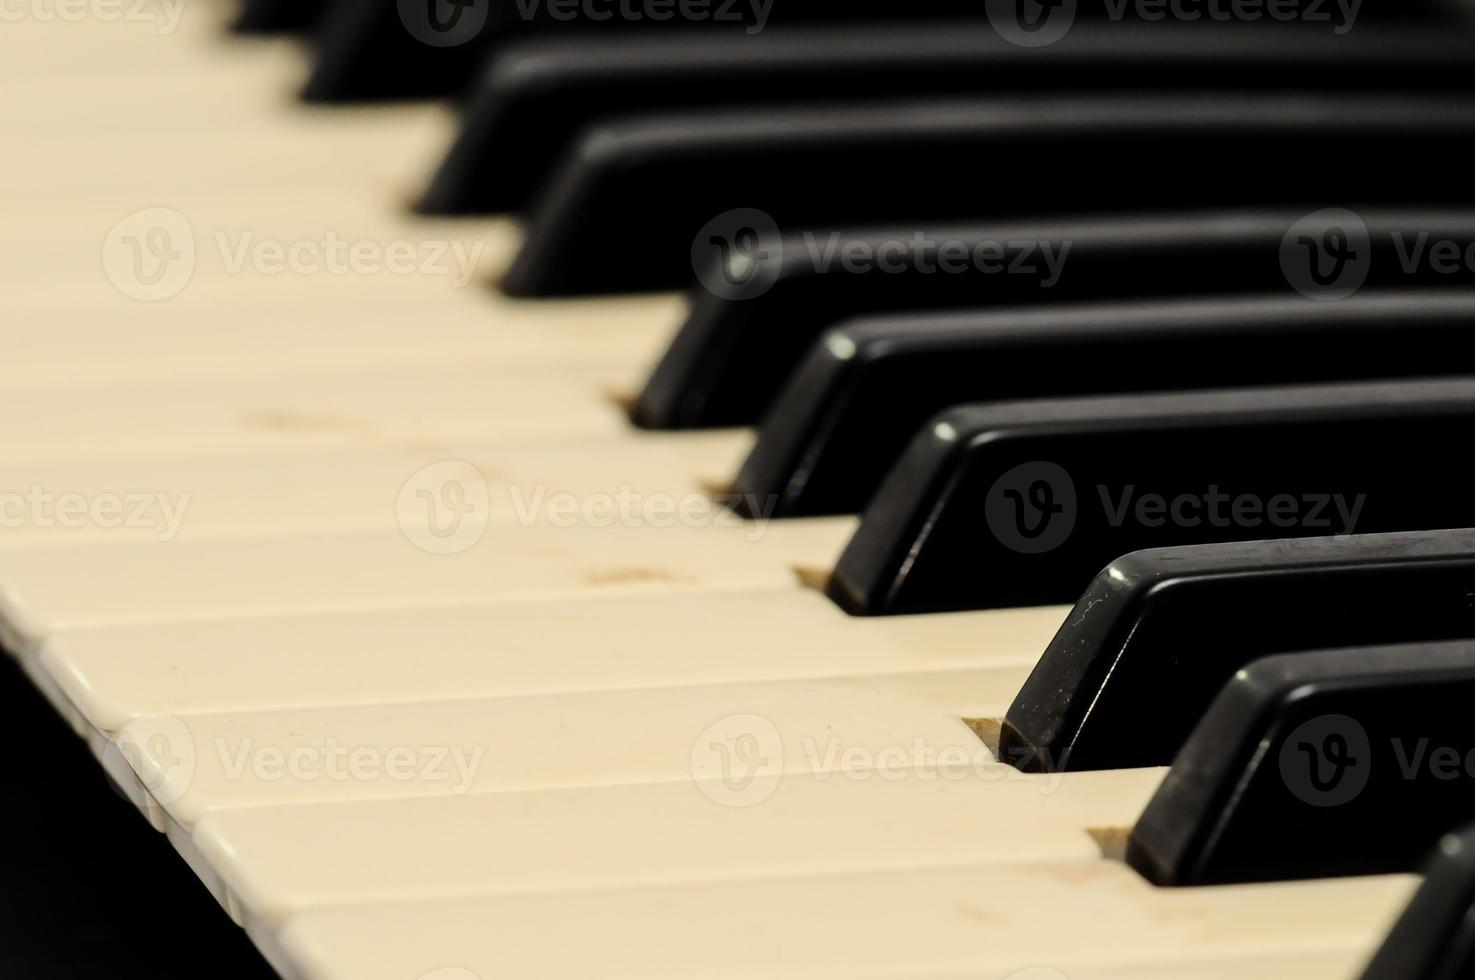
1316,765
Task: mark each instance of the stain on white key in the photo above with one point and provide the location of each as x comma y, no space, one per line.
41,591
381,407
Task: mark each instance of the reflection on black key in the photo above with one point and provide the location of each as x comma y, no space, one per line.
534,97
847,415
1158,633
1021,504
625,208
407,49
735,350
1316,765
1434,939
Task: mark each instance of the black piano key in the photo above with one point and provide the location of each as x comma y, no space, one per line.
1315,765
1186,619
1022,503
278,16
1434,939
733,353
373,50
629,204
535,97
846,416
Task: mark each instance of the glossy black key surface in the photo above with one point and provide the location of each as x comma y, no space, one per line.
846,416
1022,503
630,203
1184,620
534,97
1316,765
409,49
278,16
1434,939
735,350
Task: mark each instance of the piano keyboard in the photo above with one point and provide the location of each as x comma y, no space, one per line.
656,617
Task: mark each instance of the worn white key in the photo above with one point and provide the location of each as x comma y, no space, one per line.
46,590
165,498
152,243
111,674
245,85
307,149
277,861
67,348
371,407
1083,921
196,764
45,42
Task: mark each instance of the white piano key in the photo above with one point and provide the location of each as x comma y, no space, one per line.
112,674
196,764
47,42
59,348
42,592
175,157
165,498
377,406
1093,920
108,238
278,861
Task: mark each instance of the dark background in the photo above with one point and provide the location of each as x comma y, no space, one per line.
87,888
